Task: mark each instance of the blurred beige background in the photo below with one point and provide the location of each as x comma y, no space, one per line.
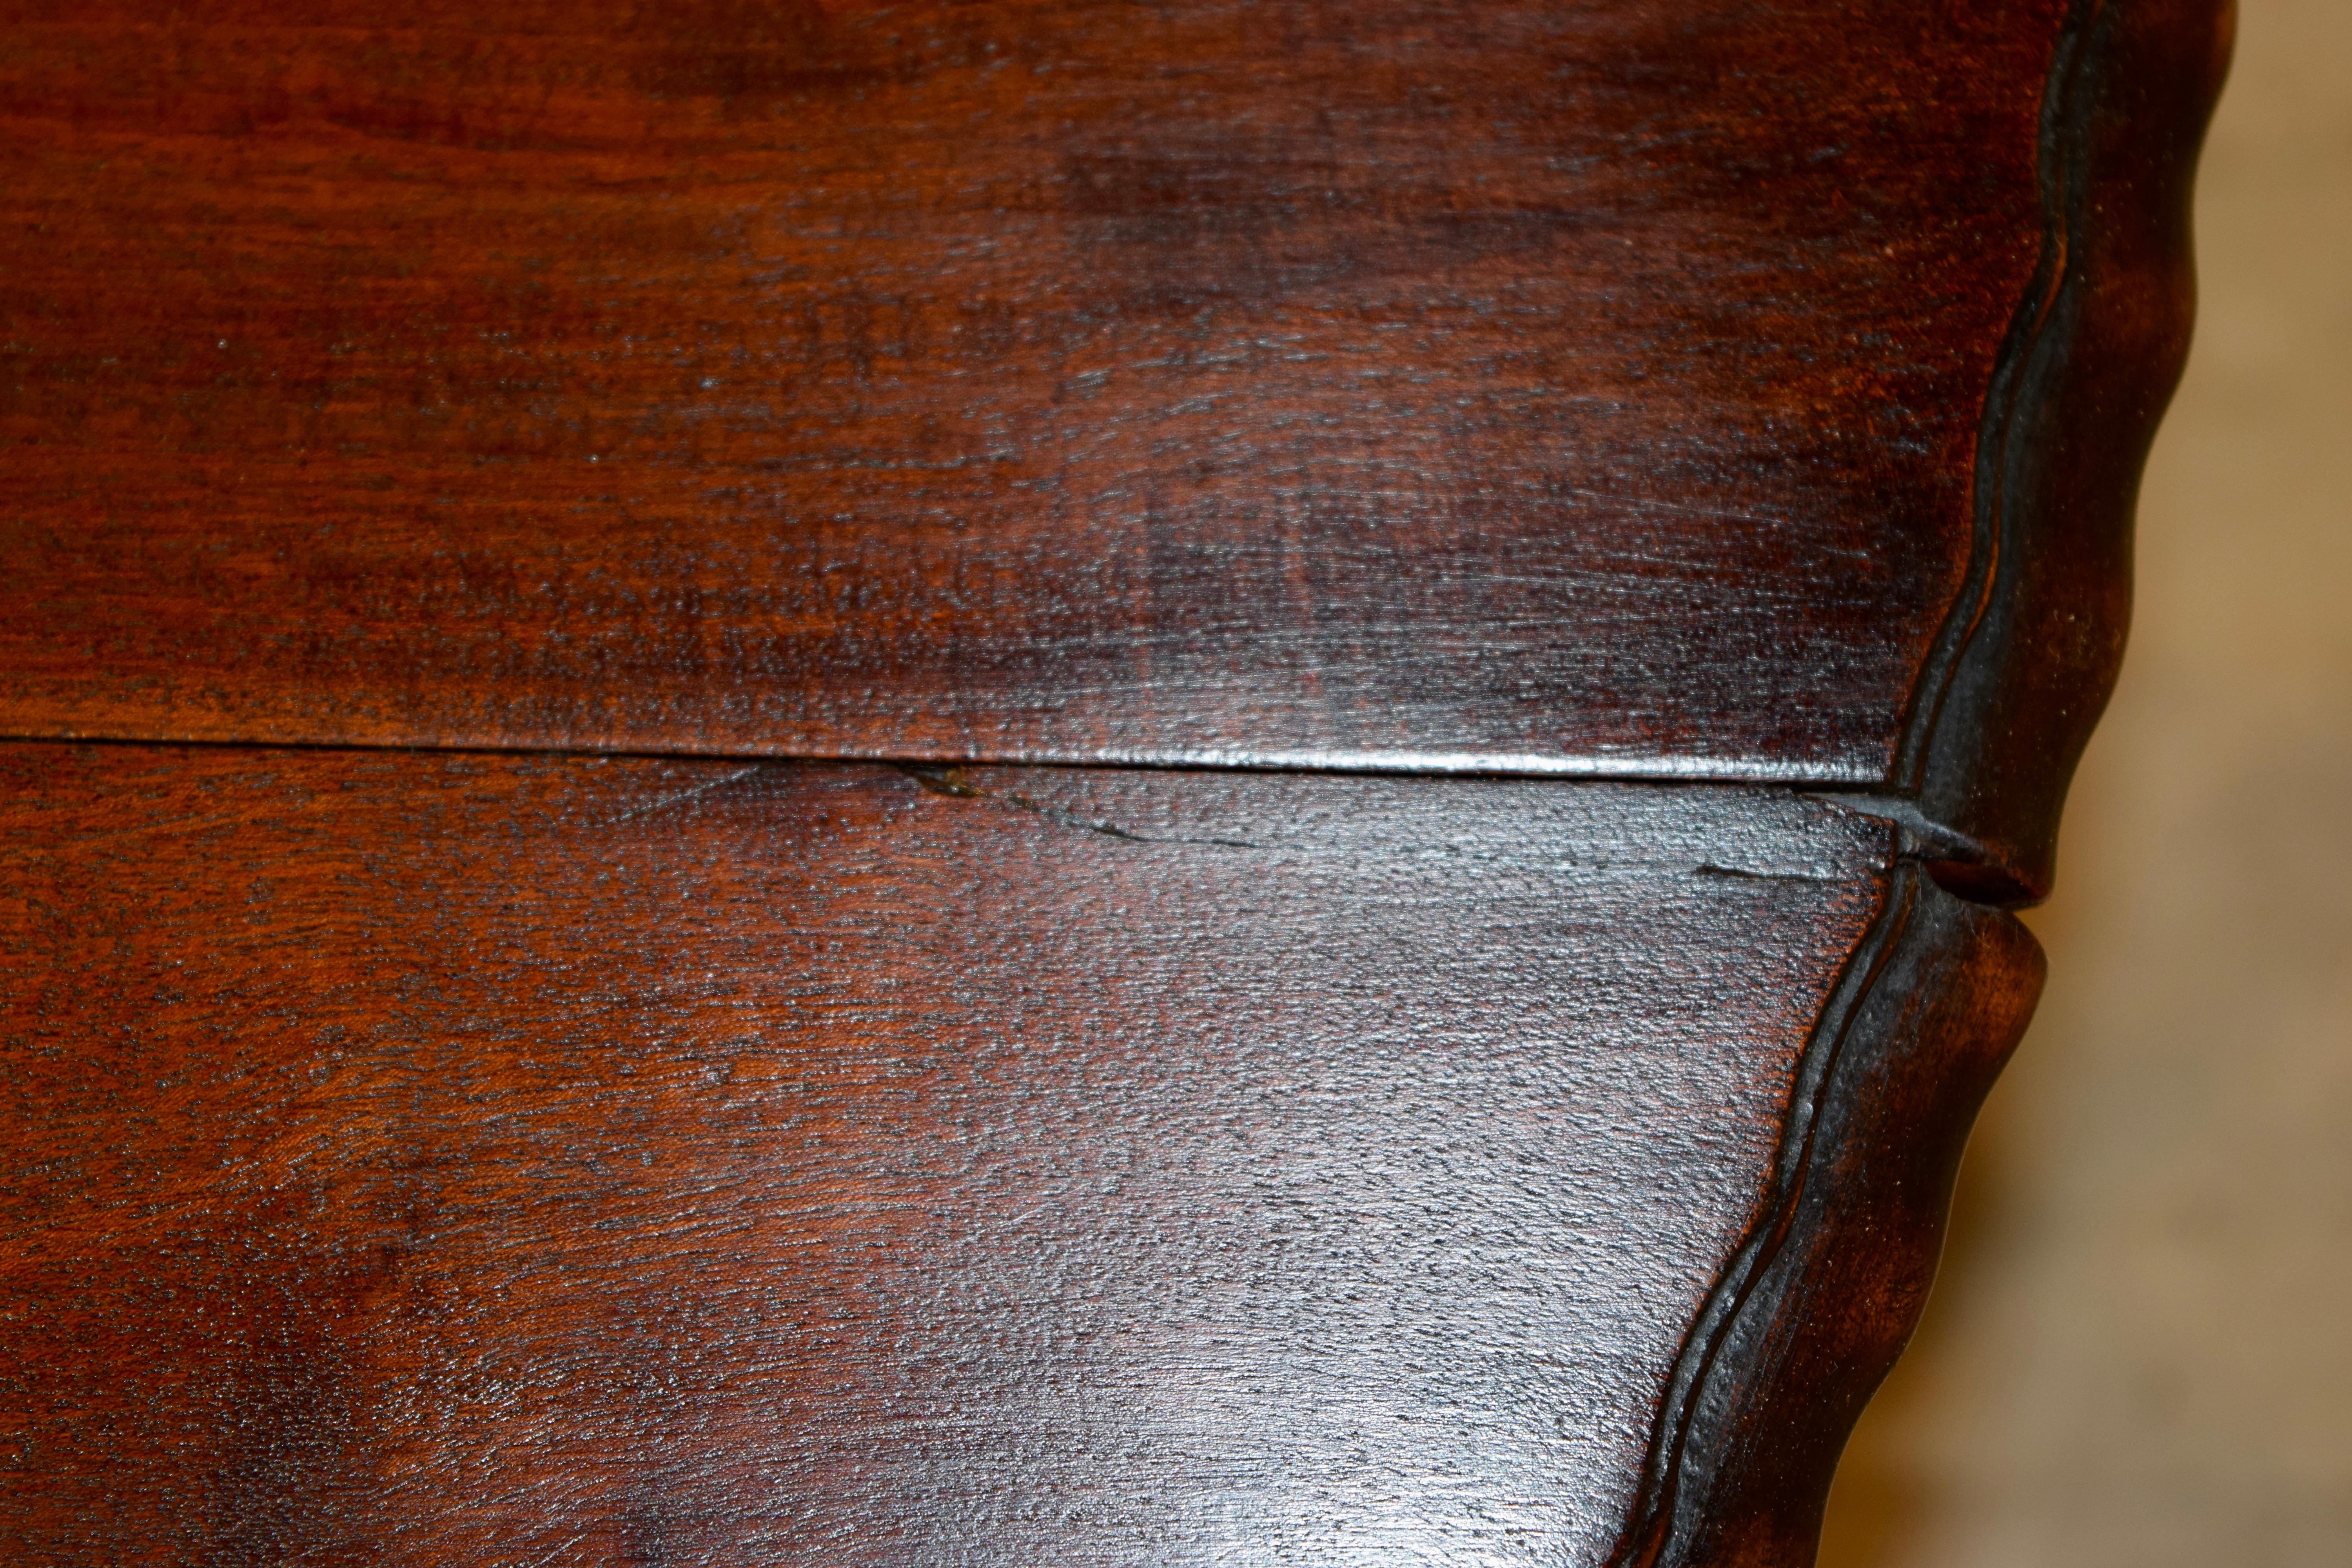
2140,1348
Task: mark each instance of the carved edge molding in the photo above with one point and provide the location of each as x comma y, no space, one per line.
1822,1294
2028,653
1823,1291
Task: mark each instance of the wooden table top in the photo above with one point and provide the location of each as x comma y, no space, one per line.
1070,781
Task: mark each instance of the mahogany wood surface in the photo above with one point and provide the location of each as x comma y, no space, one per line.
502,1160
1584,385
502,1069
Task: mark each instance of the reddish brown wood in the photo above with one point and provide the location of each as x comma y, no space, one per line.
479,1159
469,1159
1610,389
1810,1316
2031,646
1513,385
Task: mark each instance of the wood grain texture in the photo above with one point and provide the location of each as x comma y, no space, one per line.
2032,643
1507,385
499,1160
485,1159
1810,1315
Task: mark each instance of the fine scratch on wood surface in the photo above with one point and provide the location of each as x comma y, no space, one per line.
628,1157
455,1157
1509,385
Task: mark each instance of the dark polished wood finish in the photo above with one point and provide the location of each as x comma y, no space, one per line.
630,1161
471,1102
1596,388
